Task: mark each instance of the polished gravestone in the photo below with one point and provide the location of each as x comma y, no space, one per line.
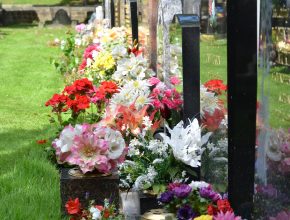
88,188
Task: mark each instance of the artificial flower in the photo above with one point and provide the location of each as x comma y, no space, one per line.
209,193
166,197
185,213
182,191
216,85
73,206
186,142
226,216
224,206
204,217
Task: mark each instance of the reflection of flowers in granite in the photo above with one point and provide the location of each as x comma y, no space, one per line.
185,213
182,191
208,193
267,190
284,215
166,197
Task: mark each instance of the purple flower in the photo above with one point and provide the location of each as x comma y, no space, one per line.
166,197
185,213
208,193
182,191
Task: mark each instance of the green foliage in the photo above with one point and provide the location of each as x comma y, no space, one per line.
70,57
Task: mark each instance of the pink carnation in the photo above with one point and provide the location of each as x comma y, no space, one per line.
154,81
174,80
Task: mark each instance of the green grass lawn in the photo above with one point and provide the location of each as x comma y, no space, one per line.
29,183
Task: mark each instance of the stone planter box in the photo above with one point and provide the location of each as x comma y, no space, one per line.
88,188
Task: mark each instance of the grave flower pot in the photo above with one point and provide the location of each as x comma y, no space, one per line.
93,186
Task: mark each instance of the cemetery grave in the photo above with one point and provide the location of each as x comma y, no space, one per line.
149,116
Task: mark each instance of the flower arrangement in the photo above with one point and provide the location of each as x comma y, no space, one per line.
196,200
95,212
151,164
90,147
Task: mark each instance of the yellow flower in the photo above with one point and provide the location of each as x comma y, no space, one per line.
204,217
104,61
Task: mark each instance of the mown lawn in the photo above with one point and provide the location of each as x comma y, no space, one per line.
29,183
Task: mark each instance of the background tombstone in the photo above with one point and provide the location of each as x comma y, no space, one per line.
61,17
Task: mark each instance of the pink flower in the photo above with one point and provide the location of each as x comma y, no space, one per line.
87,152
80,28
226,216
174,80
154,81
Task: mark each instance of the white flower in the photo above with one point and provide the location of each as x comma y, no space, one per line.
186,142
66,138
208,101
147,123
96,213
132,68
78,41
116,143
198,184
158,160
135,91
135,142
119,51
183,174
158,147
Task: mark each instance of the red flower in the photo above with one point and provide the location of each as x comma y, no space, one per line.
106,213
212,210
81,87
41,141
58,103
81,102
109,87
212,121
215,85
224,206
73,207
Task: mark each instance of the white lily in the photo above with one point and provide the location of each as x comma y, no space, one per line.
186,142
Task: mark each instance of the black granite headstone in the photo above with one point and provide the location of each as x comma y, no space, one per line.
88,188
